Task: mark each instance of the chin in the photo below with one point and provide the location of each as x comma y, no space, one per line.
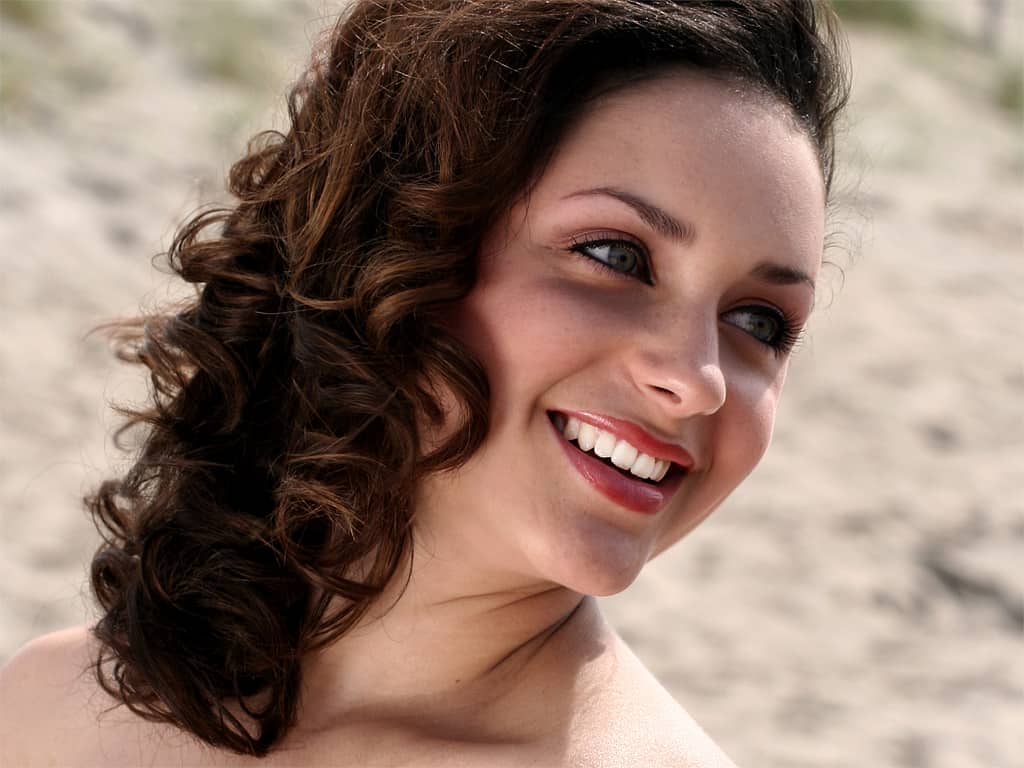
606,588
599,568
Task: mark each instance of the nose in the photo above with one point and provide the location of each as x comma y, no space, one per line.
683,374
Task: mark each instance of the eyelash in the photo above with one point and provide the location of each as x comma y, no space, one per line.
788,336
578,246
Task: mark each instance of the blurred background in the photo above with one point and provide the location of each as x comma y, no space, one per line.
857,602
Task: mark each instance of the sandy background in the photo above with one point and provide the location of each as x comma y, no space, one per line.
857,603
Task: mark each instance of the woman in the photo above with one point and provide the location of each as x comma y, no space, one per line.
503,315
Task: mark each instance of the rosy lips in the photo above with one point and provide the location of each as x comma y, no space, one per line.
634,495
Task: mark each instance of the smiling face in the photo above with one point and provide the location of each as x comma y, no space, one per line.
651,286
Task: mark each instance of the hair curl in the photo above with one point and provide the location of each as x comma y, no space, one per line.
269,503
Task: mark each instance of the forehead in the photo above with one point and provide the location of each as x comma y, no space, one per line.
697,116
718,153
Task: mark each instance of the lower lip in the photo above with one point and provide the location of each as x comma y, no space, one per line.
631,494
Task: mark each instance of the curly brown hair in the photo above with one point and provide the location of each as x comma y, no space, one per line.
269,503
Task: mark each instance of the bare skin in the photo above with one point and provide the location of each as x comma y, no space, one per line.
603,710
492,656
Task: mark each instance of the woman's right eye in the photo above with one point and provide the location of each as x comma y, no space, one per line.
620,257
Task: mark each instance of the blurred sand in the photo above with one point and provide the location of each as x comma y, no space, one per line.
858,602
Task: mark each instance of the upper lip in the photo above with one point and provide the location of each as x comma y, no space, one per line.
637,436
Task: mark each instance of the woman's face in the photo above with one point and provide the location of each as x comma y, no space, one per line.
651,286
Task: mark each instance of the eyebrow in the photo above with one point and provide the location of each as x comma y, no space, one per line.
667,225
658,219
778,274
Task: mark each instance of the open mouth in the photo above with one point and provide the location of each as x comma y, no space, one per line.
631,464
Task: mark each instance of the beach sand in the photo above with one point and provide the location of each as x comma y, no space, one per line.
857,602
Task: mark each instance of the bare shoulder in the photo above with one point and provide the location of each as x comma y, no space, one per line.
630,719
45,683
53,711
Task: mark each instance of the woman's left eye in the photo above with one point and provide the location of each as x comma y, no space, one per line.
621,257
768,325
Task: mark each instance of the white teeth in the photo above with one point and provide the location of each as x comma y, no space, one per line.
660,470
587,436
624,455
572,428
605,444
643,467
621,453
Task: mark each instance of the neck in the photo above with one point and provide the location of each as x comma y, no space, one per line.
441,637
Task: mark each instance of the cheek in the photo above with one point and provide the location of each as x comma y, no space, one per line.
748,420
527,335
495,330
739,438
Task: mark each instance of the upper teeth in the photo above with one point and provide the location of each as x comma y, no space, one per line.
622,454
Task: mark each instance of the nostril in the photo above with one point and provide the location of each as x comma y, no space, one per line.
704,396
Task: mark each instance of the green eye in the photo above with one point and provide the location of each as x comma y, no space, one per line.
761,325
620,257
766,324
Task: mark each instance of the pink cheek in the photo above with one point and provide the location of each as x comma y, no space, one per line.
508,319
753,407
510,332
